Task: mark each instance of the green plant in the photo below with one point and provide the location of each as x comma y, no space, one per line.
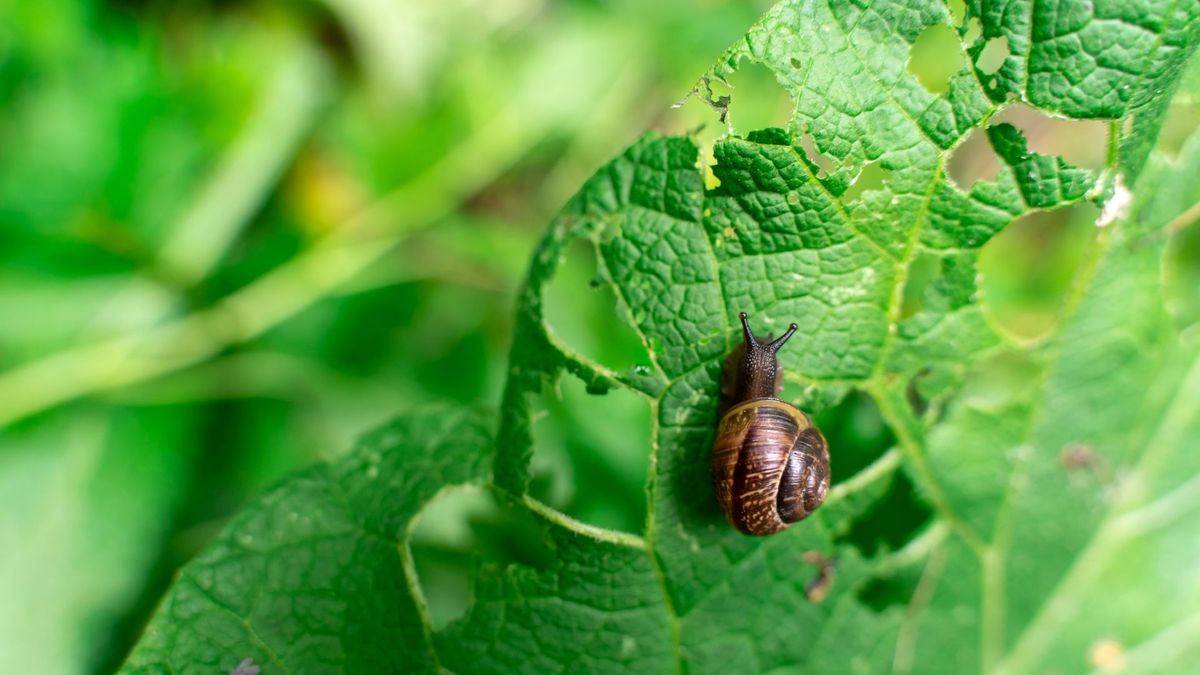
1050,478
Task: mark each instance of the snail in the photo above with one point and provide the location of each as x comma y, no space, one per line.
770,465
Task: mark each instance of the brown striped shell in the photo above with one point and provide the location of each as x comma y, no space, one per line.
770,465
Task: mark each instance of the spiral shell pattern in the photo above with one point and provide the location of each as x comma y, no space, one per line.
770,466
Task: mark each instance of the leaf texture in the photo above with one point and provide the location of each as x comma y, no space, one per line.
1075,481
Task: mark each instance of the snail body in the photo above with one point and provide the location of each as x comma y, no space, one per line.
770,465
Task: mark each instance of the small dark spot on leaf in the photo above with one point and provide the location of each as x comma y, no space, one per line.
818,588
722,106
913,395
598,387
1077,456
1082,460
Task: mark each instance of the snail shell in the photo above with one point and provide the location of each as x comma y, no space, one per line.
770,465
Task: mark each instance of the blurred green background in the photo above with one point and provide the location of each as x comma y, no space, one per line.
234,236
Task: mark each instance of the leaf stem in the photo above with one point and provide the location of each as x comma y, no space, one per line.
884,465
918,548
906,641
601,534
907,430
1189,217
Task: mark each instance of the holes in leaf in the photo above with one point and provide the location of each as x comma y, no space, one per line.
890,522
823,163
580,306
872,177
958,11
694,112
758,101
993,55
1028,266
442,546
974,30
1082,143
695,117
973,160
923,269
857,433
461,529
592,455
935,57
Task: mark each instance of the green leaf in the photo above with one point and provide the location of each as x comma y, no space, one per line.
316,573
598,606
1057,473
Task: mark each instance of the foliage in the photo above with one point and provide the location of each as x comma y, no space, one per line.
1040,492
235,235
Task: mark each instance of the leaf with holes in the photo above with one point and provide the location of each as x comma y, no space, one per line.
1042,475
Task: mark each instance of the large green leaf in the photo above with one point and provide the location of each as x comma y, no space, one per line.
1047,492
315,573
